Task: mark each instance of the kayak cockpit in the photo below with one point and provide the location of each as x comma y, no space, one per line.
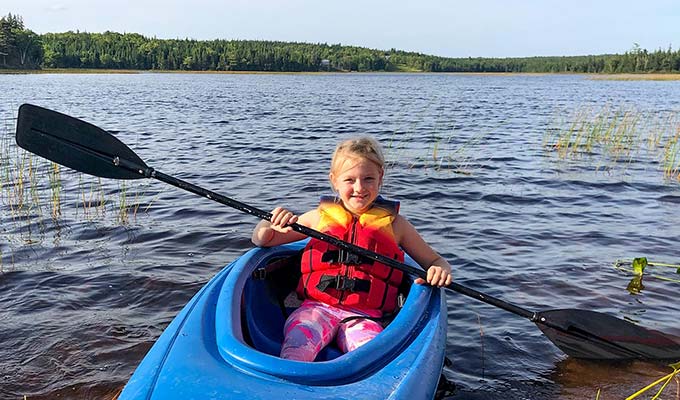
270,298
250,313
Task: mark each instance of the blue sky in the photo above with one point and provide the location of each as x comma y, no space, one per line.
484,28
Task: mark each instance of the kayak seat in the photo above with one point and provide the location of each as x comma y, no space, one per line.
270,296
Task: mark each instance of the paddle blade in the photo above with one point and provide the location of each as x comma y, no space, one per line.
76,144
594,335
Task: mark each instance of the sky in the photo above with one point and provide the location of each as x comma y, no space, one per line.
471,28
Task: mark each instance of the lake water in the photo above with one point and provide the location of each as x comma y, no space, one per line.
85,294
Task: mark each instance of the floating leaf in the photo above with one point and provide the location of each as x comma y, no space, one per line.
639,265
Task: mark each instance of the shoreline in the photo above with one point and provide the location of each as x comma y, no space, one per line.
661,76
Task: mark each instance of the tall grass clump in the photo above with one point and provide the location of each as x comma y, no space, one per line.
438,152
35,192
617,137
92,198
429,140
54,178
671,159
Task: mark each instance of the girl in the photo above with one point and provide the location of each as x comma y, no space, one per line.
337,285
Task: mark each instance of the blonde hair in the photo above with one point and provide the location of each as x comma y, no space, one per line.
365,148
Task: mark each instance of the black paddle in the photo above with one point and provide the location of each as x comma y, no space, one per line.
84,147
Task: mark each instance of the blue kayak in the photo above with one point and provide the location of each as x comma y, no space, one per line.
224,344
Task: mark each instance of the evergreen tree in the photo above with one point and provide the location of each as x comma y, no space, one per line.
19,47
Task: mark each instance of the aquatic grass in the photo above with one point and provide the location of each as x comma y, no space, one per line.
123,214
92,197
33,182
443,155
659,130
32,194
616,138
671,160
54,177
129,205
574,140
17,200
442,151
620,140
137,203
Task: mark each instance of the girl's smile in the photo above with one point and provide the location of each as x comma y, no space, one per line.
358,184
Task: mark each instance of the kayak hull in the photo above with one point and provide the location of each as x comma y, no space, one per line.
224,344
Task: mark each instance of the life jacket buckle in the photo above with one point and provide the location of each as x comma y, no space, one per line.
349,258
341,282
344,257
344,283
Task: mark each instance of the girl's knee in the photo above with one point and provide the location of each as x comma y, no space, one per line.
357,333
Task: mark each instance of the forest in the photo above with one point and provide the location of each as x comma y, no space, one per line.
21,48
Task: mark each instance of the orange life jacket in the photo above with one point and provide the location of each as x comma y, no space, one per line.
335,276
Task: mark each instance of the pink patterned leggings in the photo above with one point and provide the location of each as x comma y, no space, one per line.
313,326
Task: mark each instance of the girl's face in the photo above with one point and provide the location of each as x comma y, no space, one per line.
358,184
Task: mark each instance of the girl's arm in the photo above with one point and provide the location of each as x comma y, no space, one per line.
438,269
277,231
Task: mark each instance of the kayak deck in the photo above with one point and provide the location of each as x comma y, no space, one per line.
225,343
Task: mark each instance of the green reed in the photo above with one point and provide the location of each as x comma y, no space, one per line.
54,178
92,198
443,155
671,159
32,192
128,204
617,136
123,213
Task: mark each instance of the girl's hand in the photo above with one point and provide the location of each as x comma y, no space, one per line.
437,276
281,219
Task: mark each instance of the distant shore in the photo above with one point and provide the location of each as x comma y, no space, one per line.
614,77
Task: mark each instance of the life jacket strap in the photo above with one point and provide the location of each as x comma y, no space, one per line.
339,282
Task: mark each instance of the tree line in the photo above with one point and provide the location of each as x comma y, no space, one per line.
22,48
19,47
